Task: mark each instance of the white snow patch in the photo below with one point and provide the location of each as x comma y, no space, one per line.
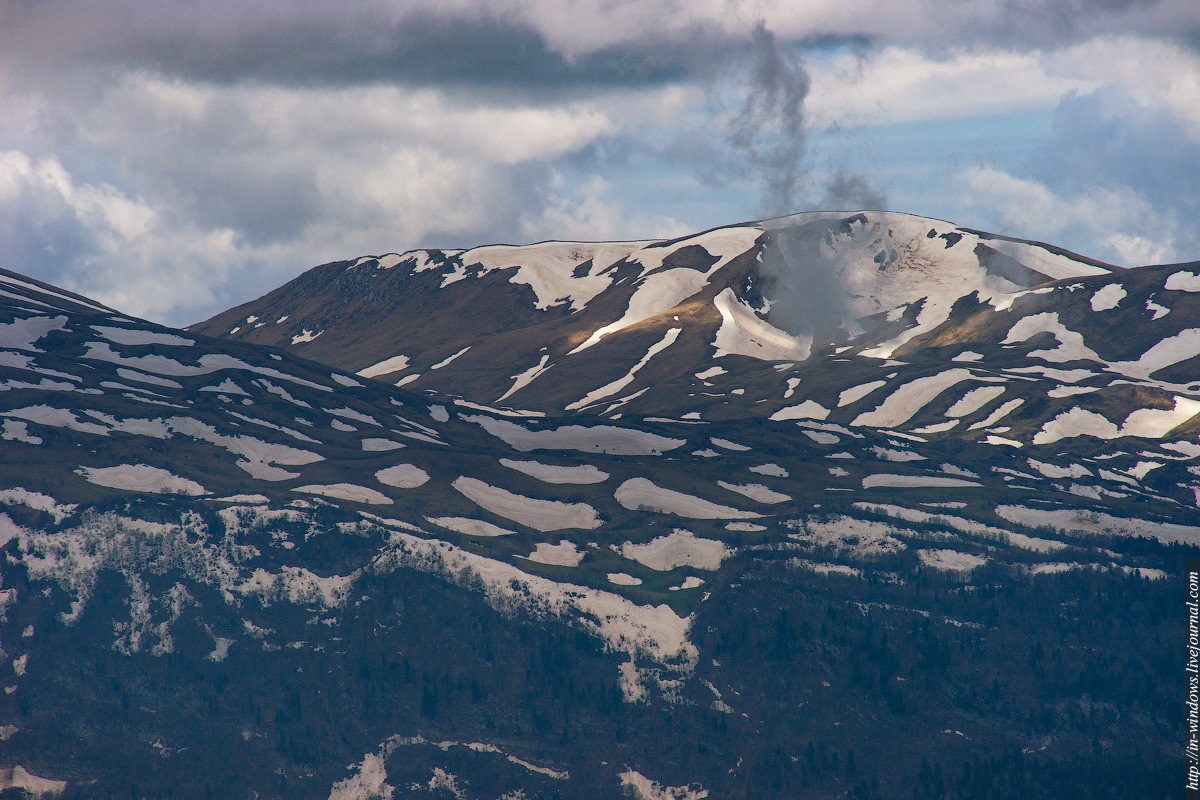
1095,522
640,494
1054,471
550,473
380,445
950,560
141,478
828,569
744,333
908,400
541,515
1157,310
859,536
623,579
897,456
1151,423
226,386
385,367
299,586
1183,281
1108,297
20,778
258,457
1061,392
357,416
18,431
305,335
128,336
252,499
1070,344
774,470
470,527
1172,350
1001,440
593,439
208,364
659,291
21,333
142,377
446,361
656,632
974,400
612,388
1000,413
37,501
548,268
711,372
680,548
755,491
809,409
346,491
563,554
368,782
690,582
523,379
1065,375
645,789
938,427
856,393
403,476
914,481
1143,468
1189,449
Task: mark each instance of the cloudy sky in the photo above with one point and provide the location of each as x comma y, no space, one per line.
174,159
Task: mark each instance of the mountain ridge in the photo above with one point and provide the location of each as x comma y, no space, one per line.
352,589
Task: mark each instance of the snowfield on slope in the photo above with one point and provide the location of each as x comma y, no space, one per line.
678,549
641,494
541,515
141,478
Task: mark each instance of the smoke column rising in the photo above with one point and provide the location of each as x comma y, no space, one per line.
768,140
768,133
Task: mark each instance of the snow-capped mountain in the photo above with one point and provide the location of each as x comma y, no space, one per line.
625,535
896,323
646,327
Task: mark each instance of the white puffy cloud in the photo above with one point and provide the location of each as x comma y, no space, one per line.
249,184
590,213
96,240
906,84
1122,227
1153,73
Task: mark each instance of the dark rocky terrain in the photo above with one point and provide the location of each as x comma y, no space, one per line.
829,506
